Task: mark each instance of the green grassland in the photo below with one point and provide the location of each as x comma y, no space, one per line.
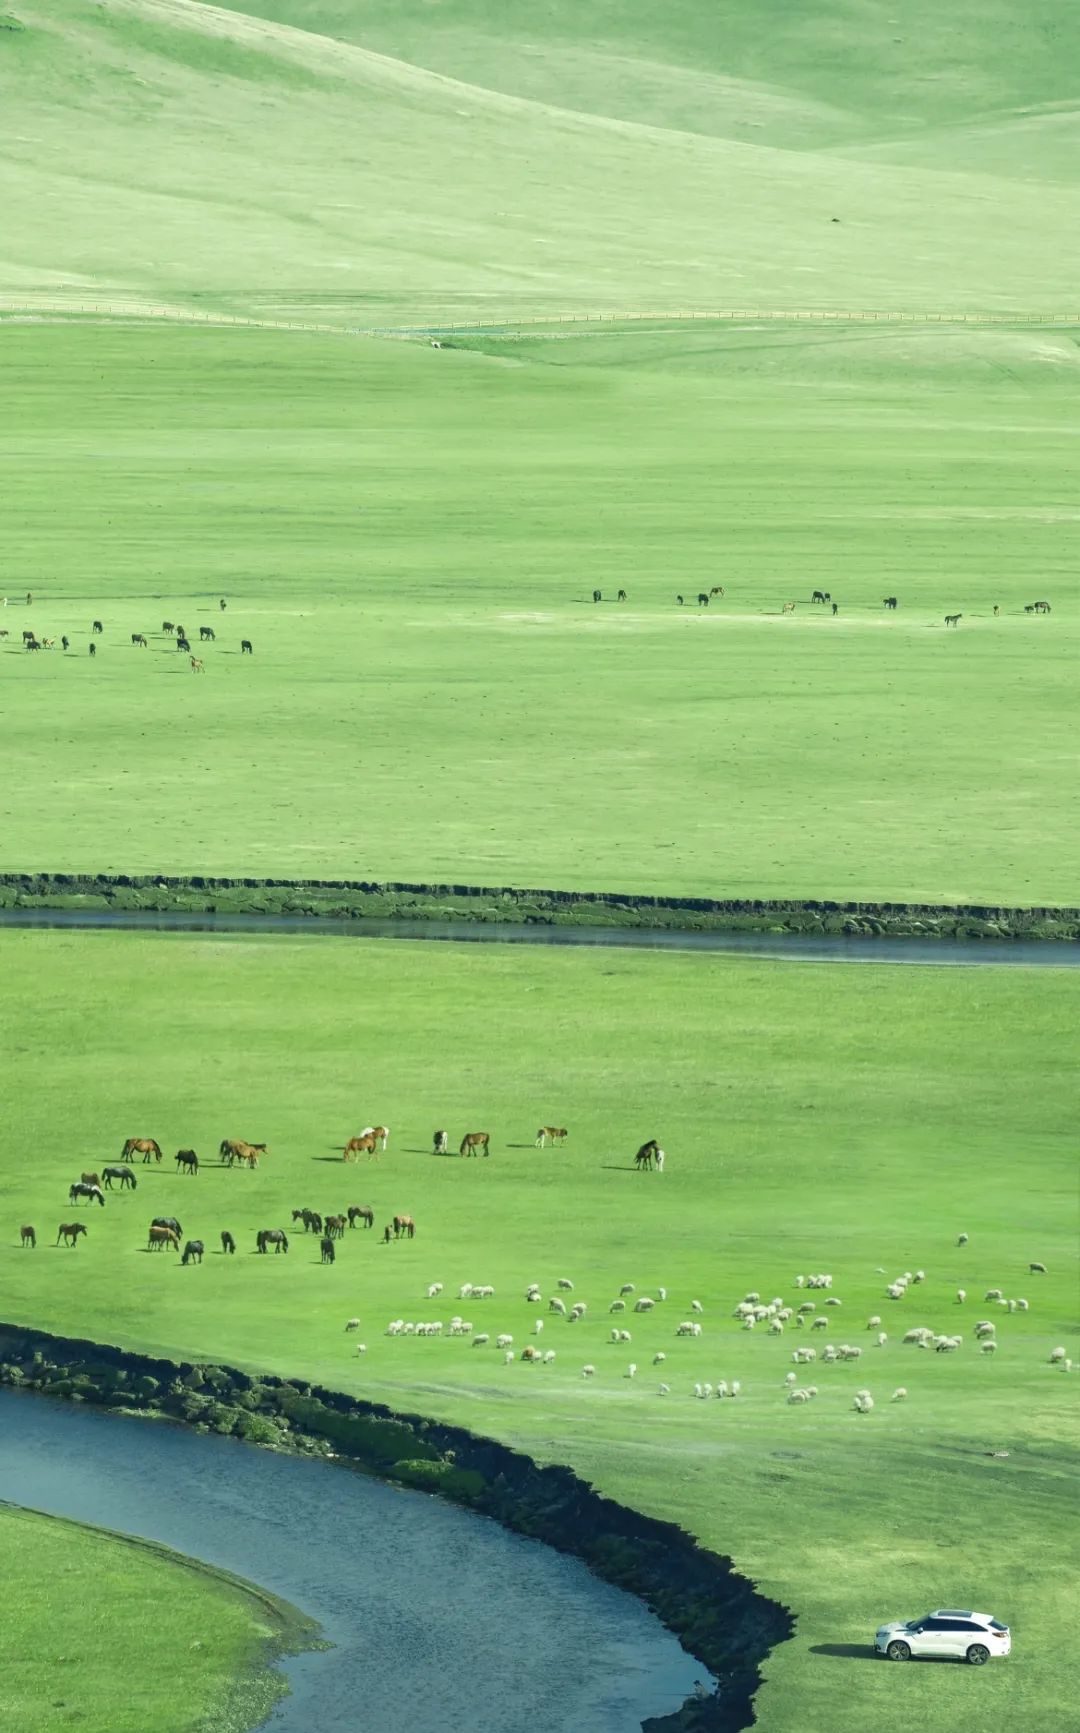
846,1119
643,158
59,1667
411,538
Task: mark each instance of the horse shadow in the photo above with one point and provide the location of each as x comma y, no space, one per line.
338,1160
619,1166
845,1651
524,1146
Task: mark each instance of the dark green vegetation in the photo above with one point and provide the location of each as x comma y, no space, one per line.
81,1604
851,1120
410,539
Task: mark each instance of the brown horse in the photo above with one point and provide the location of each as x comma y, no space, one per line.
90,1178
233,1149
335,1227
554,1133
28,1236
147,1147
404,1225
475,1141
69,1232
361,1212
365,1145
187,1160
197,665
159,1237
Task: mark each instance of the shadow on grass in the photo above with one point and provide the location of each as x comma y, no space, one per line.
845,1651
618,1167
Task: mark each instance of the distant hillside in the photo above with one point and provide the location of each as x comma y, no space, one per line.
169,150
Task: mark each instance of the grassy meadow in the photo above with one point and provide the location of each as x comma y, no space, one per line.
848,1119
59,1670
411,538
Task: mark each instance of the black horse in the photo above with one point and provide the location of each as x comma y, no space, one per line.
703,599
276,1237
361,1213
596,596
621,597
245,647
182,644
889,601
97,628
326,1246
92,1194
206,634
187,1160
193,1252
168,1222
228,1244
123,1174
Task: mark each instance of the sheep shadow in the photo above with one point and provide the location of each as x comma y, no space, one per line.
845,1651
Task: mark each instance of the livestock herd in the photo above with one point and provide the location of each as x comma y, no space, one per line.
824,597
171,630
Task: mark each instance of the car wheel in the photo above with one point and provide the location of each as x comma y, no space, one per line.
978,1655
898,1652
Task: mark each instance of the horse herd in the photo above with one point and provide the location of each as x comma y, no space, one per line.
139,641
165,1232
824,597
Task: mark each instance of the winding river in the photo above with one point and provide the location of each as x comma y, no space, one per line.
441,1621
791,947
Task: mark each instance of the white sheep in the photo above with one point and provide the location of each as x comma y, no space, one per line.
484,1293
776,1328
465,1291
578,1311
687,1328
534,1299
538,1327
899,1395
627,1288
565,1284
664,1388
396,1328
734,1387
1021,1305
752,1297
361,1347
829,1355
863,1403
961,1296
614,1337
644,1304
992,1294
699,1390
706,1391
658,1359
883,1337
961,1239
530,1355
989,1346
482,1340
848,1351
791,1377
800,1281
549,1355
721,1388
1056,1356
919,1276
588,1371
508,1357
625,1336
833,1301
434,1290
795,1396
696,1306
504,1341
749,1323
556,1305
984,1328
873,1323
631,1370
353,1324
820,1324
618,1306
661,1293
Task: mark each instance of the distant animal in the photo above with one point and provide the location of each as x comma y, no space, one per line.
361,1212
1041,607
48,643
188,1160
475,1141
148,1147
276,1237
953,619
167,1222
234,1149
168,627
835,609
228,1244
621,596
181,631
223,604
206,634
335,1227
65,643
97,628
596,596
717,590
182,645
92,649
440,1143
703,599
28,1236
326,1247
160,1237
90,1178
139,638
1037,1269
30,643
788,608
245,647
679,600
69,1232
123,1175
646,1154
554,1133
92,1194
818,596
197,666
365,1145
997,610
889,602
193,1252
404,1225
29,635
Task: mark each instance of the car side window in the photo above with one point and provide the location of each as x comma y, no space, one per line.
935,1625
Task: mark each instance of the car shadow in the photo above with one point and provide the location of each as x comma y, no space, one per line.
845,1651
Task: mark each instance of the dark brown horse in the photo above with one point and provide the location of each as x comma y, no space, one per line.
645,1155
193,1252
361,1212
69,1232
276,1237
90,1178
148,1147
123,1175
187,1160
335,1227
326,1246
404,1225
162,1236
228,1244
475,1141
28,1236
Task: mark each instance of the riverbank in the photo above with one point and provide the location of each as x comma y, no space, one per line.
362,900
717,1615
225,1634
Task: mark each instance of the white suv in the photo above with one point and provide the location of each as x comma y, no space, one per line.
946,1635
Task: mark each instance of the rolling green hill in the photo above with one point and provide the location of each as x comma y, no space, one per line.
165,150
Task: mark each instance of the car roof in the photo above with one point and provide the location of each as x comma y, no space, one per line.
956,1613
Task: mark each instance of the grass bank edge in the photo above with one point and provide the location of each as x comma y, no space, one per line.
717,1614
358,900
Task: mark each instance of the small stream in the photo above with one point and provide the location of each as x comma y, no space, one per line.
442,1621
788,947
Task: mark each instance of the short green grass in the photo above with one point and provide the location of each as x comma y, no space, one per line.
841,1118
411,538
76,1598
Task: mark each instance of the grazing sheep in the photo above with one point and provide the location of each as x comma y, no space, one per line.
661,1293
644,1305
508,1357
658,1359
791,1378
664,1388
984,1328
434,1290
992,1294
721,1388
946,1344
833,1301
614,1337
848,1351
820,1324
1021,1305
749,1324
534,1299
396,1328
752,1297
631,1370
807,1307
618,1306
353,1324
588,1371
361,1347
624,1336
578,1310
530,1355
776,1328
557,1306
696,1306
482,1340
538,1327
549,1355
795,1396
485,1293
829,1355
919,1276
465,1291
899,1395
1039,1269
1056,1356
863,1403
706,1391
698,1390
565,1284
883,1337
800,1281
687,1328
961,1239
504,1341
988,1347
961,1296
734,1387
802,1355
627,1288
873,1323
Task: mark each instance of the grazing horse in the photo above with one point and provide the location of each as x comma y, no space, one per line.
596,596
92,649
361,1212
92,1194
90,1178
276,1237
440,1143
645,1155
953,619
818,596
556,1133
326,1247
312,1220
65,643
473,1141
182,643
245,647
228,1244
223,604
717,590
168,1222
1042,607
621,597
30,643
48,643
233,1149
788,608
123,1174
365,1145
168,627
28,1236
188,1160
206,634
197,666
162,1236
679,600
335,1227
69,1232
147,1147
193,1252
139,638
703,599
889,602
404,1225
181,631
28,635
97,628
